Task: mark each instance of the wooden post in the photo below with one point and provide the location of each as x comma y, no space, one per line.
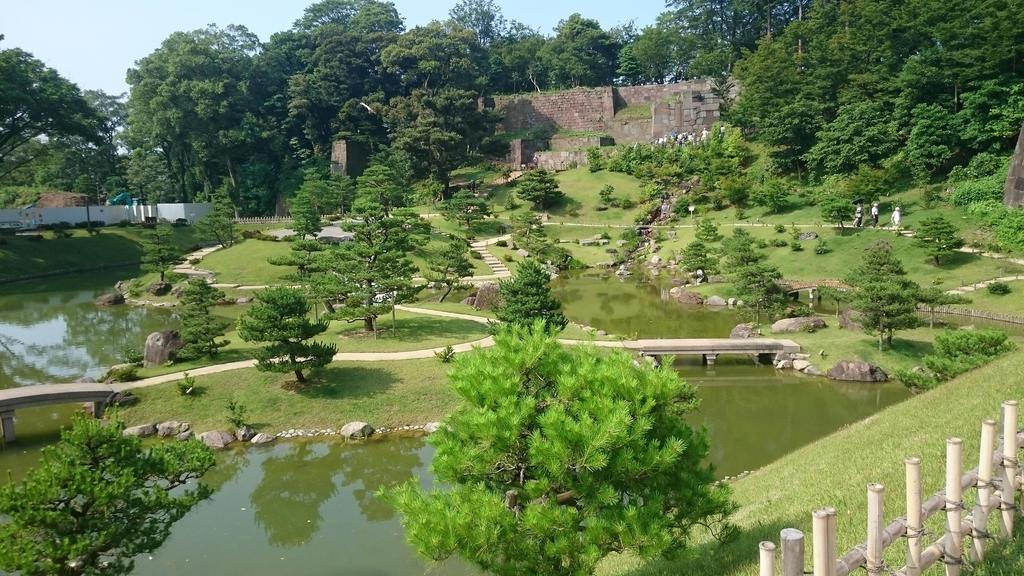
792,541
767,559
980,530
876,494
833,531
914,528
953,556
1007,503
824,564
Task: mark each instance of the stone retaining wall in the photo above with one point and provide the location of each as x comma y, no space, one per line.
1013,193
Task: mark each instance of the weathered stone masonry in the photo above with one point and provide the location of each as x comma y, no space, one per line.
1013,193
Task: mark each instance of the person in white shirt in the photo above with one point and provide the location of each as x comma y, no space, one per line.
874,214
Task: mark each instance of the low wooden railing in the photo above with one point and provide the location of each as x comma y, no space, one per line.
996,492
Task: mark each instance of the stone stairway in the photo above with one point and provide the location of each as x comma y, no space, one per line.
497,267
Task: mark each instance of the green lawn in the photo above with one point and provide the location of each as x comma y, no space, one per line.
581,188
381,393
1011,303
908,347
834,471
246,263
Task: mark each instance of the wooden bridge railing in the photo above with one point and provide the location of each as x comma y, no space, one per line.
995,480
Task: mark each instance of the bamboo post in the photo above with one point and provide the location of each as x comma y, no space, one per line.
873,556
767,563
833,531
792,541
980,530
953,556
1009,467
824,564
914,528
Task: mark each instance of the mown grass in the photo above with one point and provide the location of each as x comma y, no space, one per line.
381,393
835,470
1011,303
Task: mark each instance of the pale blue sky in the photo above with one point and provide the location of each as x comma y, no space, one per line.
93,42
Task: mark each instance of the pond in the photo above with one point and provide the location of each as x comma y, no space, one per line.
308,507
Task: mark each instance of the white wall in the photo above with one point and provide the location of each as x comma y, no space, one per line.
34,217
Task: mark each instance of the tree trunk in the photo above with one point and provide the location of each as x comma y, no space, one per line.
447,292
368,324
931,322
299,377
880,337
328,307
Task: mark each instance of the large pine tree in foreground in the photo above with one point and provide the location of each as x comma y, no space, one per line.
558,456
526,297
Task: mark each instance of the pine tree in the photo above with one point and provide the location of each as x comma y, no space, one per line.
305,216
449,266
696,256
280,318
305,256
885,298
526,297
837,210
540,188
739,250
200,329
939,237
707,231
557,456
97,499
219,224
466,210
757,284
158,250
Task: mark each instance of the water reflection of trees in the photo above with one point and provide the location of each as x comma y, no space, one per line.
375,465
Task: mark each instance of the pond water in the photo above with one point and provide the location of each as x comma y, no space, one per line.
308,507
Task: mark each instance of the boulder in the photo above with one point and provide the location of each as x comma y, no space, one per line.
469,301
522,253
123,399
747,330
159,288
732,302
160,347
171,428
178,290
356,430
111,299
243,300
245,433
857,371
217,438
812,371
800,365
654,261
431,427
685,296
808,235
716,301
261,438
486,297
850,320
140,431
121,286
183,436
798,324
784,364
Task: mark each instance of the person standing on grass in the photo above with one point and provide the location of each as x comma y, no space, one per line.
858,216
874,215
897,217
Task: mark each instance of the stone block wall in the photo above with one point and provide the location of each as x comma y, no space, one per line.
348,158
1013,193
579,109
569,143
560,160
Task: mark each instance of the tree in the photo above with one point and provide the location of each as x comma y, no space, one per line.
449,266
739,250
839,296
696,256
280,318
758,285
304,213
862,133
158,250
933,297
707,231
466,209
557,456
581,53
199,329
219,224
483,17
939,237
526,297
837,210
539,187
771,194
885,298
304,256
378,186
439,54
97,499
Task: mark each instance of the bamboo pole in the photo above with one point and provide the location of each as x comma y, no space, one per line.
935,552
833,531
980,531
1009,467
914,525
954,507
823,563
876,495
792,541
767,562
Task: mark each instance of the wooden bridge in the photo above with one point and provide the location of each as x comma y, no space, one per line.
25,396
707,348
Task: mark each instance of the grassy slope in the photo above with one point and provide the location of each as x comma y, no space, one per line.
834,471
1011,303
581,188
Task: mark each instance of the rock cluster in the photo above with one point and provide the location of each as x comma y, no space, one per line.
111,299
798,324
857,371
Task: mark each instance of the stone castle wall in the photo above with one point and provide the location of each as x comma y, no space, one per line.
1013,193
579,109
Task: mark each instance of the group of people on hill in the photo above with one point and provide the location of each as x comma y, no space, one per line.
684,138
858,216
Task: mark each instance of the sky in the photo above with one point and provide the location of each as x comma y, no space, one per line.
94,42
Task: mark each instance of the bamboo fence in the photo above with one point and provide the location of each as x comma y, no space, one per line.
996,481
263,220
972,313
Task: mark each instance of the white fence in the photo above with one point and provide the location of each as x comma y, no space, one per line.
30,218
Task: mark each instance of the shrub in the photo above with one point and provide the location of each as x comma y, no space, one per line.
446,355
122,223
61,233
741,214
502,243
131,355
187,386
476,255
779,243
980,190
796,246
236,413
998,288
780,228
916,380
123,374
259,235
822,247
956,352
627,203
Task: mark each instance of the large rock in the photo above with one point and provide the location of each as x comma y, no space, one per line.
798,324
685,296
747,330
171,428
801,365
850,320
431,427
140,431
123,399
159,288
356,430
486,296
857,371
522,253
716,301
245,433
111,299
161,347
261,438
217,438
184,436
812,371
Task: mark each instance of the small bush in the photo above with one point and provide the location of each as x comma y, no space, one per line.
123,374
236,413
980,190
796,246
259,235
822,247
446,355
761,243
131,355
187,386
998,288
59,233
502,243
780,228
627,203
741,214
780,243
123,223
476,255
916,380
